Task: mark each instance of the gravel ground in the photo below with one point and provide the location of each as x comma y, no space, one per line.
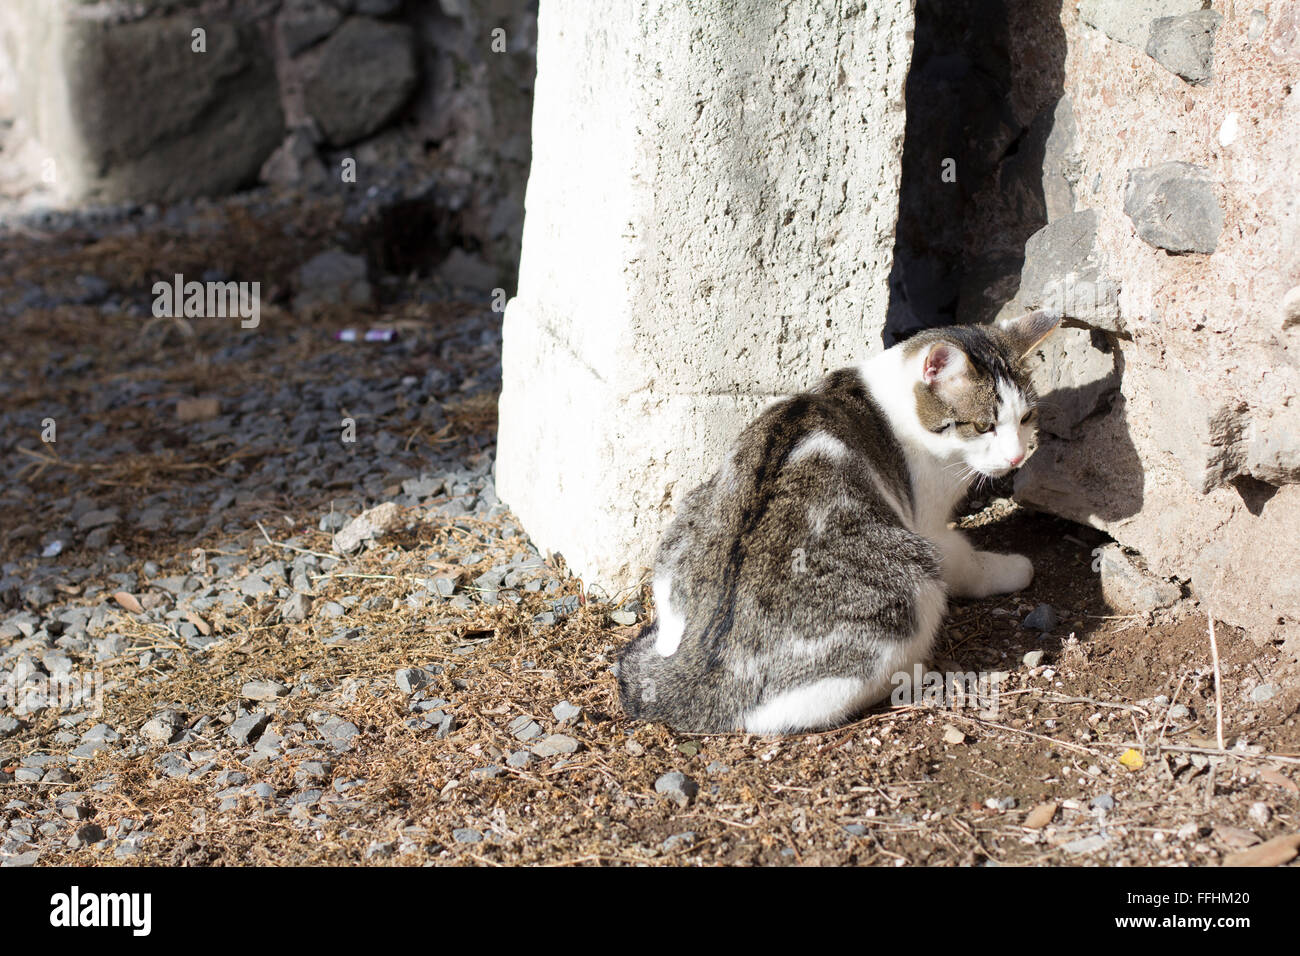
229,635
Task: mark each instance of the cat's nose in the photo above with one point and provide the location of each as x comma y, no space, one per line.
1013,462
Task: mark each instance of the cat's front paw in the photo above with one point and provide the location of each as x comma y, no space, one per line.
1004,573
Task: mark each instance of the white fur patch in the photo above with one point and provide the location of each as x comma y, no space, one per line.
668,635
819,443
812,705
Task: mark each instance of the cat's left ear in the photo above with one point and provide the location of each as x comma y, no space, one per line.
1027,330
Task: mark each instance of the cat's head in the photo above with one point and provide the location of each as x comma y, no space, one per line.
973,397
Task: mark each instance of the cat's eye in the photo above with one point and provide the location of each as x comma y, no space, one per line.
982,428
1024,419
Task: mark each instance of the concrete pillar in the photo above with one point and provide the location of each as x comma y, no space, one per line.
709,225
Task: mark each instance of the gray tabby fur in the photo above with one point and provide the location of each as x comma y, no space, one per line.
815,565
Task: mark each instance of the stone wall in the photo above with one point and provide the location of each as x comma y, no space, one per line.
710,221
1129,163
110,101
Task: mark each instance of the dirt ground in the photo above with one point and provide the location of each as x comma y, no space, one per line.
1082,762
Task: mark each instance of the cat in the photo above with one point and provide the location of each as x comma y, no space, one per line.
817,562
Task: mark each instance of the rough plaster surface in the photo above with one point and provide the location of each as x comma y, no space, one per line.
1193,458
708,226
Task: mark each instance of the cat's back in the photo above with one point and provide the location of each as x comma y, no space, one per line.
808,513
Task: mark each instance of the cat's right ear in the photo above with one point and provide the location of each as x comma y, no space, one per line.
1027,330
943,370
943,363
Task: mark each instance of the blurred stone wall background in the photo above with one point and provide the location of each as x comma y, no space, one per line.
113,101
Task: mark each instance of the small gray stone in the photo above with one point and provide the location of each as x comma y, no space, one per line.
86,835
339,733
622,618
1041,618
525,728
520,759
248,728
312,771
263,690
1263,692
1105,803
161,728
101,732
678,841
371,523
254,585
677,787
378,850
98,519
1033,658
1085,844
30,858
486,773
717,767
466,835
565,713
412,679
88,750
296,608
554,745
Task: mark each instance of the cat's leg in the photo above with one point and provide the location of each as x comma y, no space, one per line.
976,574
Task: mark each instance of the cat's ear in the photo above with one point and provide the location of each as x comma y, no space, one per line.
1026,331
943,365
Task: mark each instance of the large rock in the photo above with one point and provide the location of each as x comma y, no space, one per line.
709,226
1129,21
1173,206
1063,273
367,72
133,111
1185,45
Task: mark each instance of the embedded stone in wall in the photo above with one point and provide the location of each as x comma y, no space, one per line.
1062,165
1074,372
366,74
149,117
1184,45
1127,586
1173,207
1062,273
1129,21
304,23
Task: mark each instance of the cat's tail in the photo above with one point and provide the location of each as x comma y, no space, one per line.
640,671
